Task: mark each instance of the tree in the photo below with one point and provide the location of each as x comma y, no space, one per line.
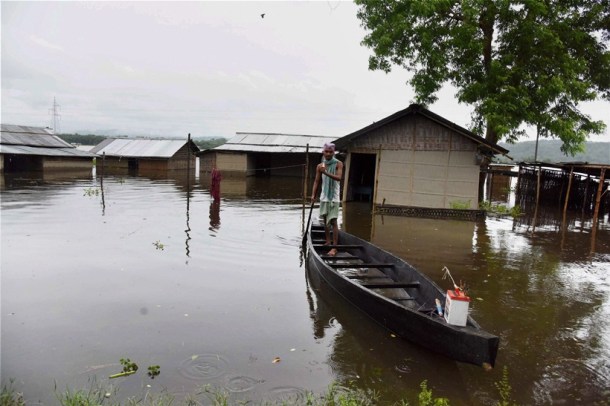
517,63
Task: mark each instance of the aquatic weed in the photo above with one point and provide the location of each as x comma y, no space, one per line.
10,397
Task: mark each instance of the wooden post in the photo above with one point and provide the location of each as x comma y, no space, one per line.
188,163
565,204
517,191
376,178
584,200
306,180
537,198
102,184
598,198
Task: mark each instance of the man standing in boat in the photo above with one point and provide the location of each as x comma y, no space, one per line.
330,172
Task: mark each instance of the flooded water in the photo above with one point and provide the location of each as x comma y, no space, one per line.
150,268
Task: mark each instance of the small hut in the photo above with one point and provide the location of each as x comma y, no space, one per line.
264,154
147,154
26,148
415,160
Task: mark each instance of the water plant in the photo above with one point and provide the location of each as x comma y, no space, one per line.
92,191
500,209
129,368
426,398
10,397
505,390
154,370
460,204
159,245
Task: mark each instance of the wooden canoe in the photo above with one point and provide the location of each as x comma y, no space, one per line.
397,296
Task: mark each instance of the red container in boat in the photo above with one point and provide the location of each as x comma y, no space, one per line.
456,307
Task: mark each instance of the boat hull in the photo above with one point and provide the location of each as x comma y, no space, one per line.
468,344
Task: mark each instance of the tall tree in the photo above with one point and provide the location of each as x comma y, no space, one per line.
528,62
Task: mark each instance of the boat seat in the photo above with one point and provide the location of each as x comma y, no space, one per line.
390,285
340,256
339,246
362,265
366,276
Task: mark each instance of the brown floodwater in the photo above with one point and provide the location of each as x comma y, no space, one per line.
152,269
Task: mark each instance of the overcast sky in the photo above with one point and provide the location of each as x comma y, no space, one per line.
206,68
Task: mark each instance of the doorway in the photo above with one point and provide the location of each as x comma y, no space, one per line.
361,177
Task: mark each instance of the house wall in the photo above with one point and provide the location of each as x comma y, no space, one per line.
110,162
181,158
150,164
232,164
207,162
56,163
422,164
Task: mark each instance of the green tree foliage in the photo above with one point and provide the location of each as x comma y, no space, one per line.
517,63
208,143
88,139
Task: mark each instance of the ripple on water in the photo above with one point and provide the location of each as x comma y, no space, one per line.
403,367
203,366
291,394
240,384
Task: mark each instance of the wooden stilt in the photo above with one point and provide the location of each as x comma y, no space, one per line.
537,198
567,198
598,198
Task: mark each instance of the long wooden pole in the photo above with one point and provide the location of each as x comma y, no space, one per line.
565,204
598,199
537,198
306,180
376,179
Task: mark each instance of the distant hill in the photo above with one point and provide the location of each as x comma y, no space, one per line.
549,151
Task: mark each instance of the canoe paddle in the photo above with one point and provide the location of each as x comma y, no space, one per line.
308,221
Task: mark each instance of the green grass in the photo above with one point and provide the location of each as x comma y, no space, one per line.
97,394
10,397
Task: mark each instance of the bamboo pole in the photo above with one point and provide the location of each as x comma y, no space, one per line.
598,198
306,179
376,179
567,198
537,198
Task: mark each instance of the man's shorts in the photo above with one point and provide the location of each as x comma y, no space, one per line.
330,210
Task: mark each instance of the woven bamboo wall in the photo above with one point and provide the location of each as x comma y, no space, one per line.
553,189
422,164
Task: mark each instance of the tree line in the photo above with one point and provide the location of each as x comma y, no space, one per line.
92,139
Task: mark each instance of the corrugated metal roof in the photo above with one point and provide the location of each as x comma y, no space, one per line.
273,142
136,148
31,136
43,151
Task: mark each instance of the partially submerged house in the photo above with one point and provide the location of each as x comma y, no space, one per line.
26,148
413,160
146,154
264,154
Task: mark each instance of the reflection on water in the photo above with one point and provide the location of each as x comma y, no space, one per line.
214,215
98,289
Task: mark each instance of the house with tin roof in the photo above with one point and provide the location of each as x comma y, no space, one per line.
27,148
146,154
264,154
413,160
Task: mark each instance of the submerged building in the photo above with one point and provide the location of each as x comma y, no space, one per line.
414,159
146,154
27,149
264,154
